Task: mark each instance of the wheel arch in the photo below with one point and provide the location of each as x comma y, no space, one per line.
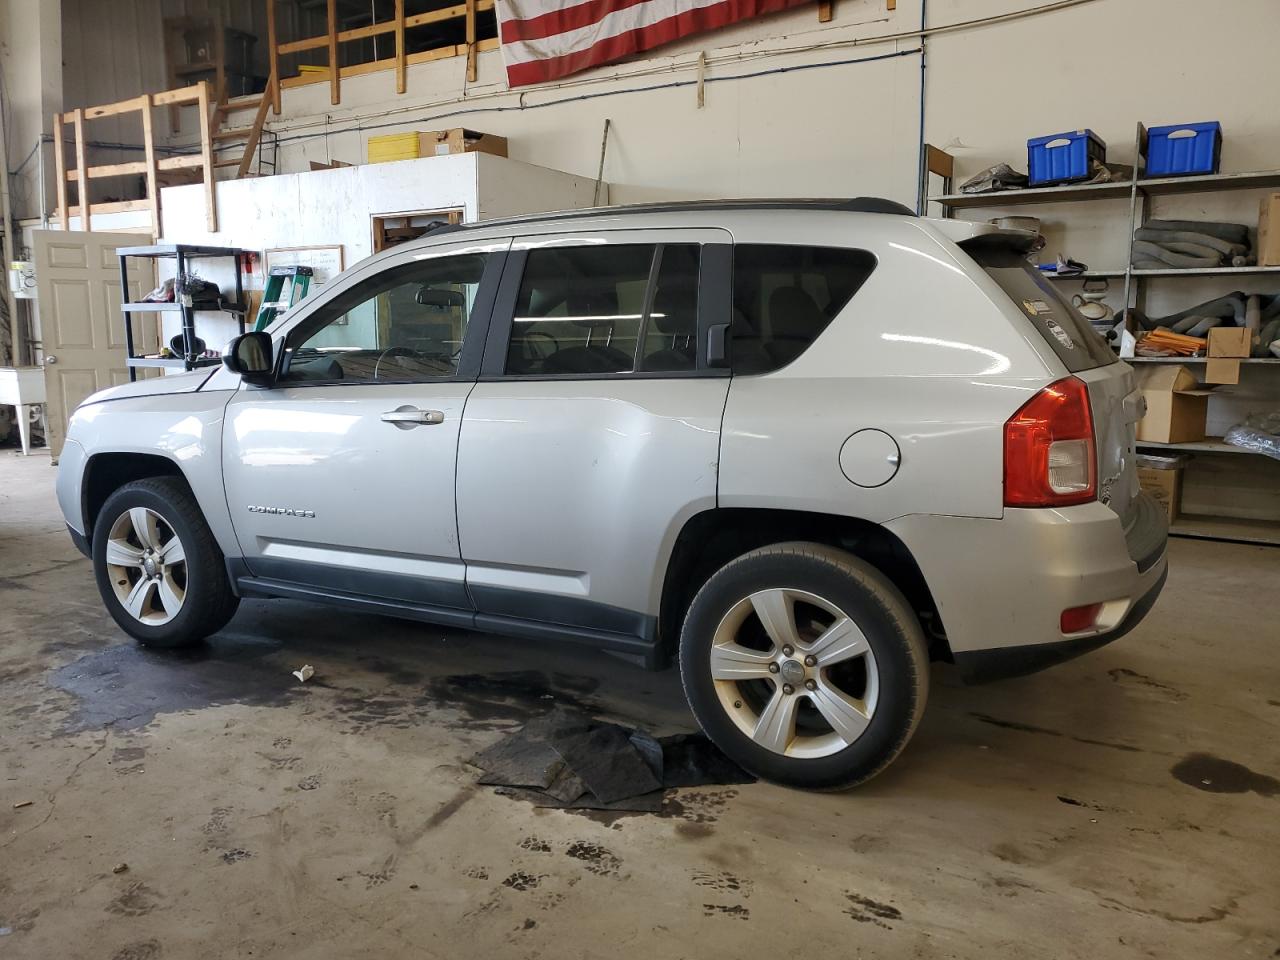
107,472
710,539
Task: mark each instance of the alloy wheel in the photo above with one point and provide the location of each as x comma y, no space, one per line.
794,672
147,566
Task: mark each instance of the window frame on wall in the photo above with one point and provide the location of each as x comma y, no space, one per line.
714,293
360,290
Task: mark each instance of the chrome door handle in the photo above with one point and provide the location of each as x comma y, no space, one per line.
406,418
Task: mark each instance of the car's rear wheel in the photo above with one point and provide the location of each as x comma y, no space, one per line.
160,573
805,665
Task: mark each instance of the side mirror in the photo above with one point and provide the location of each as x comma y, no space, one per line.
250,355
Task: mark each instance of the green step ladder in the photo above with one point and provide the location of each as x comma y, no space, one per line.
273,305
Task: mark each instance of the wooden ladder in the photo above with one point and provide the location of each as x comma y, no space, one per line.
243,139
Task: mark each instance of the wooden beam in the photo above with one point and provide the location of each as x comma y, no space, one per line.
826,10
273,53
206,155
115,206
471,41
255,132
189,94
112,109
401,64
110,170
219,60
82,177
181,162
388,26
60,166
335,70
425,56
149,146
891,4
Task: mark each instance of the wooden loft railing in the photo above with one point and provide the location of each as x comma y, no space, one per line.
149,167
397,26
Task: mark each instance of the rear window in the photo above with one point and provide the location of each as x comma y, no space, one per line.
784,296
1076,343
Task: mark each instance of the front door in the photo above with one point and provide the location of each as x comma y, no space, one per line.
81,325
341,476
593,434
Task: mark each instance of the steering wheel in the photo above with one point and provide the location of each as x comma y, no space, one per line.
536,355
392,352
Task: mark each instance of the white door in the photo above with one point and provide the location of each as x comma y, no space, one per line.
340,476
81,326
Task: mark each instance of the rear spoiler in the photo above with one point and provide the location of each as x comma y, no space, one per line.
972,236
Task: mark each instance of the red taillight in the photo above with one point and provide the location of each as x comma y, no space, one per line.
1049,453
1079,619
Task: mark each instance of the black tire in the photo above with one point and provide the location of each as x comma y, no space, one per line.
208,602
871,601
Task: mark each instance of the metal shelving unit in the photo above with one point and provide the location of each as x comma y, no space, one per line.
182,254
1139,191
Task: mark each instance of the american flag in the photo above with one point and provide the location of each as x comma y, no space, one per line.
546,39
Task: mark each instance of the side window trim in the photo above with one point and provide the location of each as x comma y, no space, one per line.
715,305
473,339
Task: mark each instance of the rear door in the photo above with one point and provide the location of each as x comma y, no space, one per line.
593,434
1113,395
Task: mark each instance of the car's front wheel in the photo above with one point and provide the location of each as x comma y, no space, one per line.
160,573
805,665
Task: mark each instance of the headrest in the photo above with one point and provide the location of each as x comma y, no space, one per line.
793,315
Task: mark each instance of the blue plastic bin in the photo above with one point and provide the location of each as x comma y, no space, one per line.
1185,148
1063,157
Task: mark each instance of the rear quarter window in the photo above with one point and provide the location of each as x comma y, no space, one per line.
1070,336
784,296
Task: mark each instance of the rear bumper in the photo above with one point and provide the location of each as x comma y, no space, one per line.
1001,585
1000,663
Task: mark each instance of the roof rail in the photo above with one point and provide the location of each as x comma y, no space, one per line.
848,205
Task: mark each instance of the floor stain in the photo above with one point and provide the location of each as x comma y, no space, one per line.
126,685
723,881
1215,775
141,950
236,855
736,911
598,860
489,698
137,900
1029,728
865,910
536,845
520,880
1127,677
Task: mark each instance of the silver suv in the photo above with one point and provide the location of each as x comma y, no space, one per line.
806,447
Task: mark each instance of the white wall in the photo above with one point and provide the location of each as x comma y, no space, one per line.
328,207
31,64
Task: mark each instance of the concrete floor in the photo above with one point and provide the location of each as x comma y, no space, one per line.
1119,806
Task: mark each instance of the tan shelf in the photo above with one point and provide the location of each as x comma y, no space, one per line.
1227,528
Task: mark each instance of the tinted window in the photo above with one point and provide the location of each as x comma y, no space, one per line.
593,310
1076,343
406,323
784,296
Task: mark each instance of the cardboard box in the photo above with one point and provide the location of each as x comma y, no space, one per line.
458,140
1230,342
433,143
1176,404
1163,484
1268,247
1221,370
